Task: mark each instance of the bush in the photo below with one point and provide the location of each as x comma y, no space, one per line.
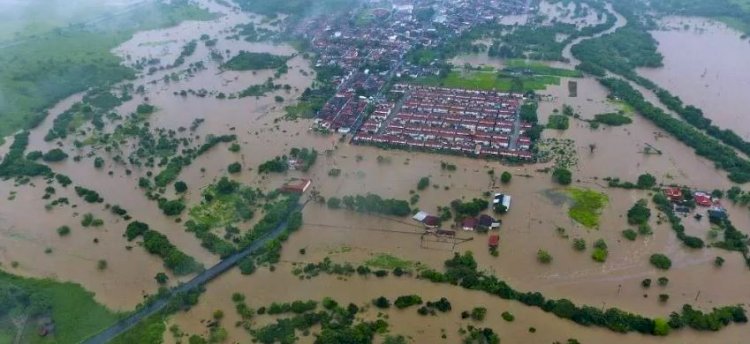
506,177
599,255
63,230
478,313
407,301
508,317
663,281
161,278
543,257
646,283
639,213
646,181
172,207
579,244
180,186
235,167
660,261
562,176
55,155
629,234
718,262
381,302
334,203
423,183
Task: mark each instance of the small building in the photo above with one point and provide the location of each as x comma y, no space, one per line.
298,186
703,199
431,221
469,224
674,194
488,222
493,241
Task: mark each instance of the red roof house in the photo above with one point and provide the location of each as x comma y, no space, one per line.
494,241
674,194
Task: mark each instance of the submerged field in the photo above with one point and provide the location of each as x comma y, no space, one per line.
200,167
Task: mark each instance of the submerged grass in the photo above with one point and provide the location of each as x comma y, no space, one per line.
487,80
387,261
587,206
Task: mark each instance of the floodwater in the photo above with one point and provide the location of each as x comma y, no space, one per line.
26,229
705,64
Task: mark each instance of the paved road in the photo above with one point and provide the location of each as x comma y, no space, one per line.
206,276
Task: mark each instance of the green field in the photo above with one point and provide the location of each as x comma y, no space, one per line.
538,68
39,71
587,206
488,80
75,313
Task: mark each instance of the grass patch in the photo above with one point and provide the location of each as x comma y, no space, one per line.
488,80
73,309
220,207
587,206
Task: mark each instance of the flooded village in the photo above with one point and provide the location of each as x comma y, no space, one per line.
269,164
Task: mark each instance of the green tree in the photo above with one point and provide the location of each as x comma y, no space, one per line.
180,186
234,167
562,176
646,181
660,261
506,177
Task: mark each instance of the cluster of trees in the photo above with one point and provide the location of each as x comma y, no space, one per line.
724,157
612,119
156,243
88,195
639,213
562,176
306,157
734,240
470,208
371,203
259,90
462,270
558,122
338,324
660,261
405,301
297,307
15,165
645,182
254,61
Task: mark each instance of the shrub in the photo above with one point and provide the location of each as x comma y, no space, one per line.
599,255
234,167
161,278
506,177
407,301
661,327
646,283
579,244
381,302
508,317
423,183
55,155
639,213
543,257
718,262
334,203
478,313
646,181
101,264
663,281
629,234
663,298
180,186
660,261
562,176
63,230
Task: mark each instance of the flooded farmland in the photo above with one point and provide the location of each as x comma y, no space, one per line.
31,246
716,83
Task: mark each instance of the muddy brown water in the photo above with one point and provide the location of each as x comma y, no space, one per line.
705,64
26,229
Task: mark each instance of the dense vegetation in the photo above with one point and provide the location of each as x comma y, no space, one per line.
371,203
158,244
16,165
254,61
